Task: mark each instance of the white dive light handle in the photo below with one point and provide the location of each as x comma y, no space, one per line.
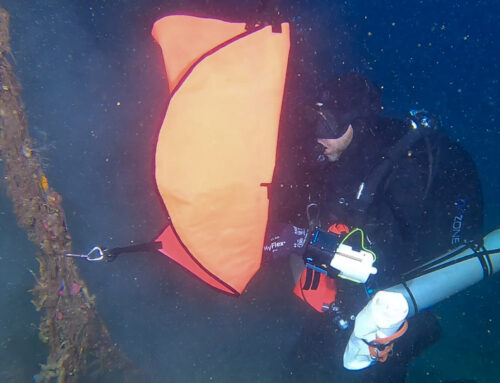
353,265
380,318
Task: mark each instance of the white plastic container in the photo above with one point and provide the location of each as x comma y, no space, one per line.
380,318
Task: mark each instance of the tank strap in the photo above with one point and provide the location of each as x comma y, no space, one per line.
479,251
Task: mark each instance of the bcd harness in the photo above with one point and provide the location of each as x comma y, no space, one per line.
341,252
323,246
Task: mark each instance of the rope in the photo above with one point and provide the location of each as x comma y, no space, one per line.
69,323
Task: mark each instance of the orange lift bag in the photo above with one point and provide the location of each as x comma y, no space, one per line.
216,148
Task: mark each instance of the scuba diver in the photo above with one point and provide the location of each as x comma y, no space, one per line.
398,191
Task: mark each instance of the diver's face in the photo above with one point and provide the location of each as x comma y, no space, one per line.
334,147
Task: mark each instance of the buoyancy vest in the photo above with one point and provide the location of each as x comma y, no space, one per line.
452,205
216,148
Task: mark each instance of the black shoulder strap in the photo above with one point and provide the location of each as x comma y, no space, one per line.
370,186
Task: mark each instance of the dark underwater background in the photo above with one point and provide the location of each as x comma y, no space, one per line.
95,94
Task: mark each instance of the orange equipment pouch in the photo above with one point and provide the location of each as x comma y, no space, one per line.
323,295
315,287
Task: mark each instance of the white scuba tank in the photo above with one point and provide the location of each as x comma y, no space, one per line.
446,275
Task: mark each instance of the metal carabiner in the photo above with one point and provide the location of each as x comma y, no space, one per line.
95,254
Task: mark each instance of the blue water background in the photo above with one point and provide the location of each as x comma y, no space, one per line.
95,94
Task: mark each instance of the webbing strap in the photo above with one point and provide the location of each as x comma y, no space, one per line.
381,347
141,247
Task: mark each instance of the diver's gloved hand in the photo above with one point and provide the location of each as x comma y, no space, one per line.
282,240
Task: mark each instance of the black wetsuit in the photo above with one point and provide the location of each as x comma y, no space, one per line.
412,216
409,222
